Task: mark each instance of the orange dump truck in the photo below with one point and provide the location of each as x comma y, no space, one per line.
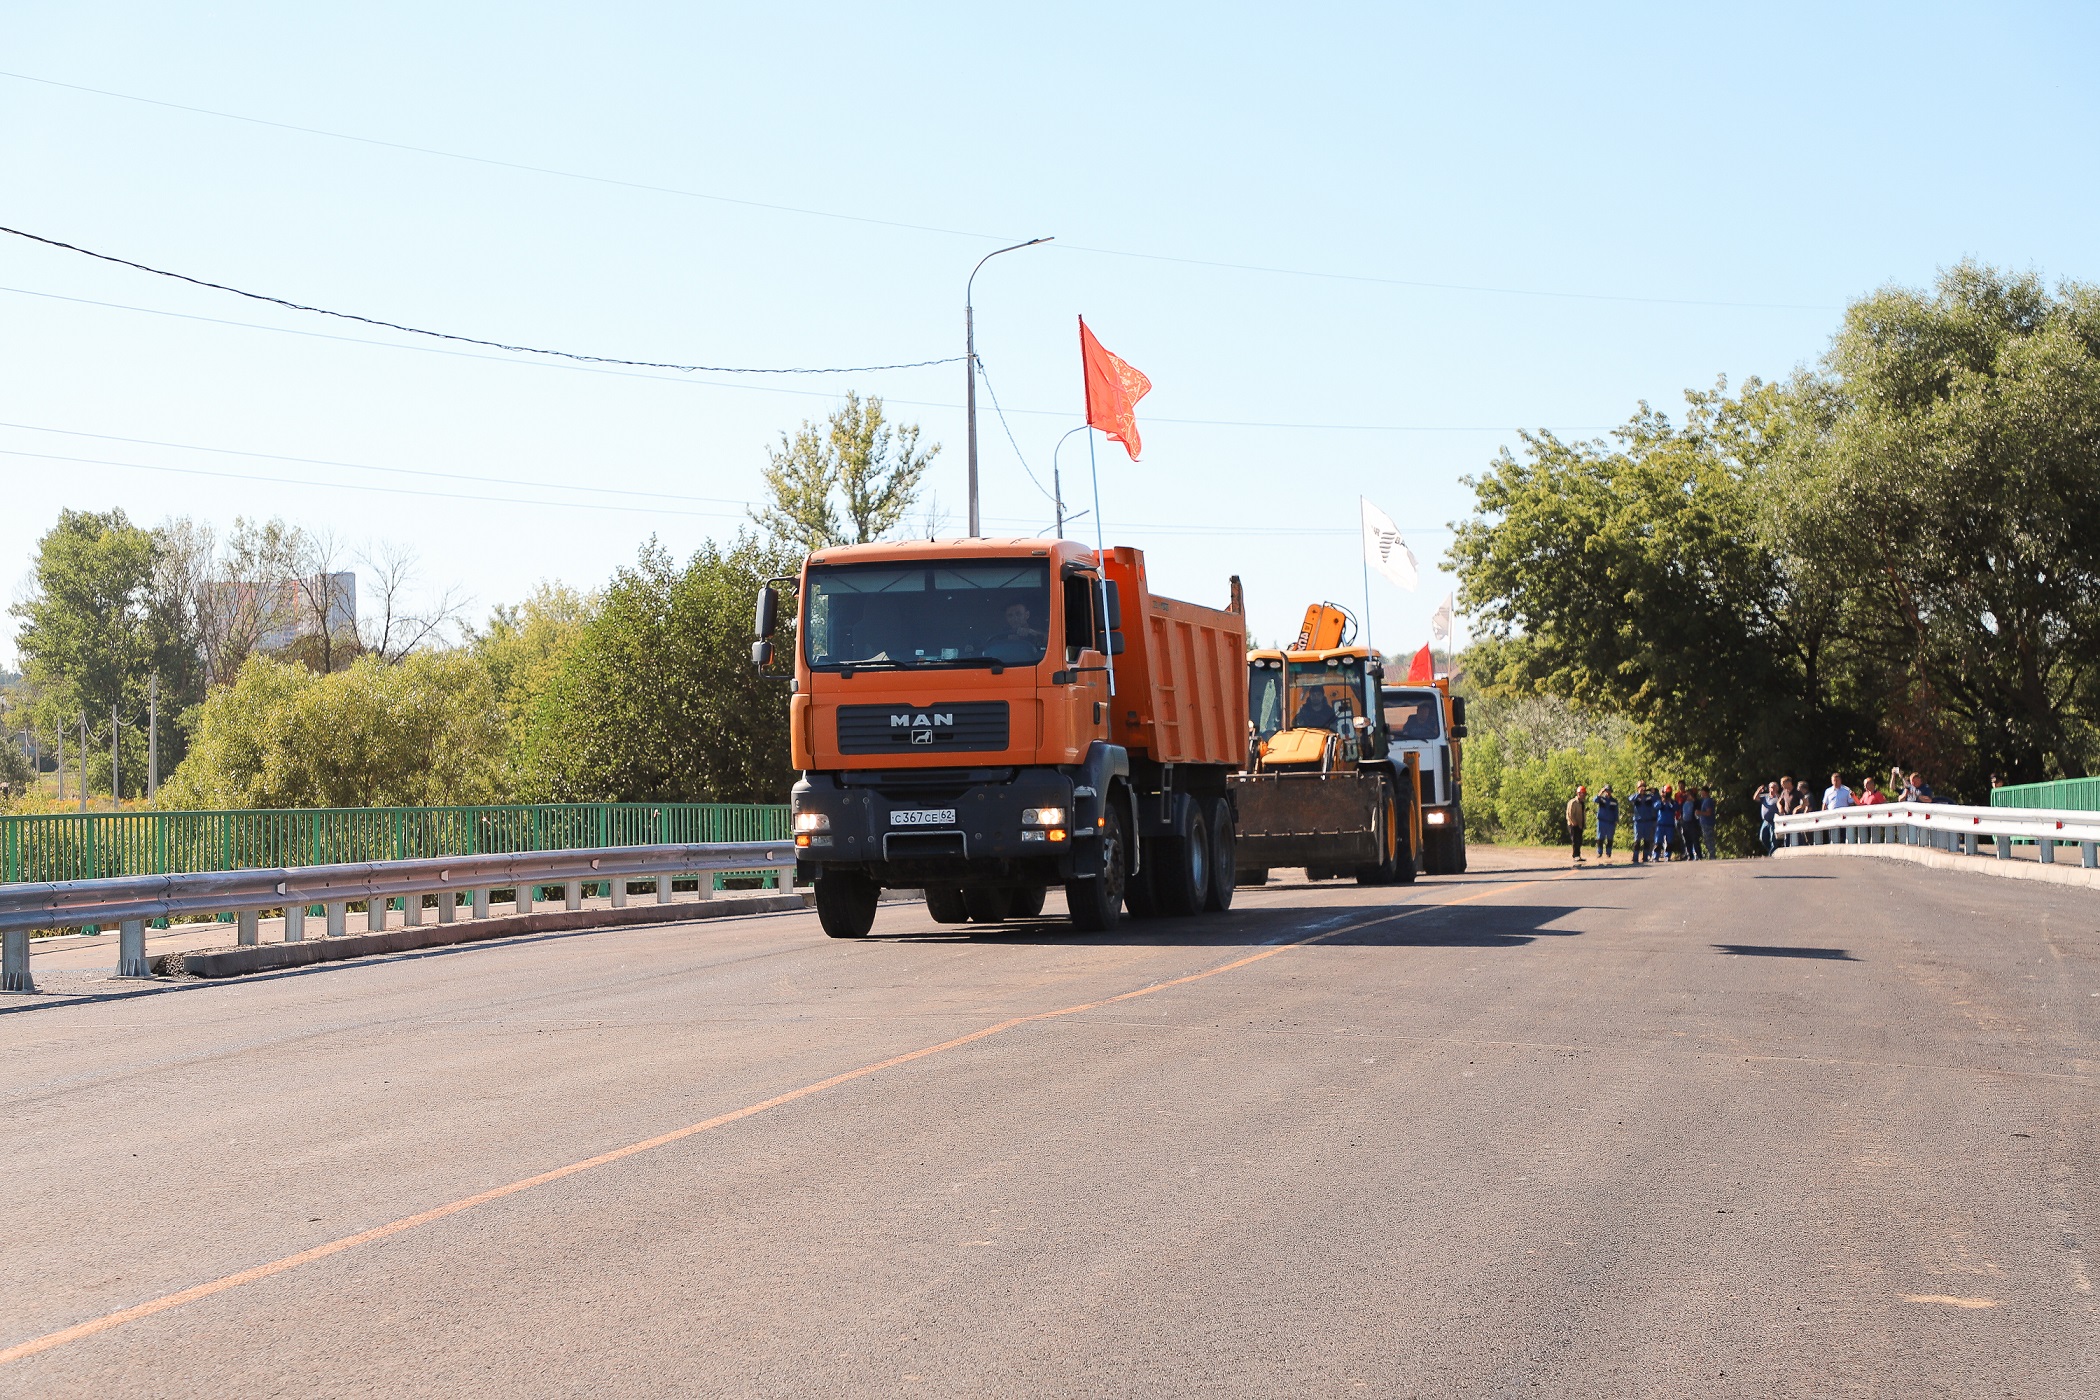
983,719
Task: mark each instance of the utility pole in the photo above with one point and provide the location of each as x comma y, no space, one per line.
970,369
116,783
83,760
61,760
153,739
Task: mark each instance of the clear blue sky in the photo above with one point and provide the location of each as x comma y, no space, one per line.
1570,209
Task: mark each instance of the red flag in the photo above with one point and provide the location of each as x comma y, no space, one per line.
1112,391
1423,671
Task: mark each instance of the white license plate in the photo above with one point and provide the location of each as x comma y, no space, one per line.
924,816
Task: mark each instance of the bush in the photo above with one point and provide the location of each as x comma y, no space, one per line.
426,731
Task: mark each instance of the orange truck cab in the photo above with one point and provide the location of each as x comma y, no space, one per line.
982,719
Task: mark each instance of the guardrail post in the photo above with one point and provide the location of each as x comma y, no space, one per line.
338,915
1968,843
784,878
2089,856
481,904
524,898
572,895
2004,845
375,914
295,923
131,949
663,889
448,905
2045,849
705,886
411,910
619,893
14,962
247,928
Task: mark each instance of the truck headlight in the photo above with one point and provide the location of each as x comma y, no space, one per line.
812,821
1433,818
1042,816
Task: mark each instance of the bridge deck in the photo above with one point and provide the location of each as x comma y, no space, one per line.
1746,1128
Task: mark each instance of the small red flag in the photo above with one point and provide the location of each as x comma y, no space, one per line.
1112,391
1423,671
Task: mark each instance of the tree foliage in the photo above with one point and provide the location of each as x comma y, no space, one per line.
848,480
656,699
426,731
1893,559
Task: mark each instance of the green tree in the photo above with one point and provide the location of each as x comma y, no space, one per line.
423,731
1642,576
848,480
1959,487
99,621
656,700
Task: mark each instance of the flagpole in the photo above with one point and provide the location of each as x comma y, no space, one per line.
1093,472
1366,561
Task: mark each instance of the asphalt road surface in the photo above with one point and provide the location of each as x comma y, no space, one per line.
1748,1128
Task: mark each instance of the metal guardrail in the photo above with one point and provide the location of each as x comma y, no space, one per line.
1946,827
105,845
132,901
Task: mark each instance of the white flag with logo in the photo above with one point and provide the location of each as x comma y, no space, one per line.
1384,550
1440,622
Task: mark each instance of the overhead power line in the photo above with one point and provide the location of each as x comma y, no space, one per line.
1184,528
1068,414
1258,268
461,339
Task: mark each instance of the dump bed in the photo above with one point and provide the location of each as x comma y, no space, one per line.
1181,682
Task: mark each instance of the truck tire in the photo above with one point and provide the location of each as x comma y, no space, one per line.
1251,877
846,903
945,904
1140,898
1181,869
1386,870
1095,904
1025,902
1224,869
987,905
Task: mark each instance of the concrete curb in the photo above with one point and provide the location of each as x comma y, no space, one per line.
269,957
2053,874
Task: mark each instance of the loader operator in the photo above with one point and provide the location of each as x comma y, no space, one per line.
1316,713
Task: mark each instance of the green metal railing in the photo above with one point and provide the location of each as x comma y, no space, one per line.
2064,794
100,845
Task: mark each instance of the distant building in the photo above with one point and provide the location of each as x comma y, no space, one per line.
273,615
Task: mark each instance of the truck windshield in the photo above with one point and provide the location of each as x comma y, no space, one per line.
1326,694
927,614
1413,714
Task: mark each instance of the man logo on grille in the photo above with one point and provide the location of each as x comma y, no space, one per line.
928,720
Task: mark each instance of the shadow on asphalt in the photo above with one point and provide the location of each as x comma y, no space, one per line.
1759,950
1400,926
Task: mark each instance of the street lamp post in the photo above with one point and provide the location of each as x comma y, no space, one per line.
1057,481
970,369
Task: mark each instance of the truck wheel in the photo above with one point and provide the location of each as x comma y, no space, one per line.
987,906
1181,874
1387,868
1223,868
945,904
846,904
1140,894
1026,902
1096,903
1252,877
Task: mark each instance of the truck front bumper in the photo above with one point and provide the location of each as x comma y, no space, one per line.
907,832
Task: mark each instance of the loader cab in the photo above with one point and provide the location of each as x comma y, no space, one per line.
1303,694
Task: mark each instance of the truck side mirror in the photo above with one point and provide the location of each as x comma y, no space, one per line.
761,653
1114,598
1458,716
768,611
1115,644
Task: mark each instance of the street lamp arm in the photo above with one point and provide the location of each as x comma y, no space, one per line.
971,282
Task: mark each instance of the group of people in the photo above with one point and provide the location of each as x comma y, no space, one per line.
1668,822
1784,798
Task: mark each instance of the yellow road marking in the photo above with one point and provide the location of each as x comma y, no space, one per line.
1948,1300
409,1222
